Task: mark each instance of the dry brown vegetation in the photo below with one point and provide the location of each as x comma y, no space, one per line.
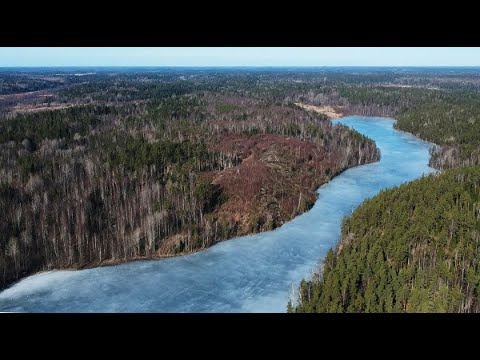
275,181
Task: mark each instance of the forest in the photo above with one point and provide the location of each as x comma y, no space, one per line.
125,166
405,250
101,166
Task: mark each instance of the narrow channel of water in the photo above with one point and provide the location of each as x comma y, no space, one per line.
247,274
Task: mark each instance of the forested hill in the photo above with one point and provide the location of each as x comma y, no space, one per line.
123,167
414,248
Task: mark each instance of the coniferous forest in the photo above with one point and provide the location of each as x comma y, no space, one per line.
414,248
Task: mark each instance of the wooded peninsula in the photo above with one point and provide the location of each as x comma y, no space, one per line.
131,165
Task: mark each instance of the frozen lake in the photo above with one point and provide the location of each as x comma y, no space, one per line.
247,274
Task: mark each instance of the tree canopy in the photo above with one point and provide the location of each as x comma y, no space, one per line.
413,248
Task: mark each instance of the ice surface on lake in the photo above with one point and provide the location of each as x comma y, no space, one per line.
246,274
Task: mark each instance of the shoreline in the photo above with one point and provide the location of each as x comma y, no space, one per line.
116,262
106,263
165,267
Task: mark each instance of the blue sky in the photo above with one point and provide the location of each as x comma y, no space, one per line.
239,56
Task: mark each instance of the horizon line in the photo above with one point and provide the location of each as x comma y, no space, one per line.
236,66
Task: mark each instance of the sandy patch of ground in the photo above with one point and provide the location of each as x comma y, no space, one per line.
327,110
39,107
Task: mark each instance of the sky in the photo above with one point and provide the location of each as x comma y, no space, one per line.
240,56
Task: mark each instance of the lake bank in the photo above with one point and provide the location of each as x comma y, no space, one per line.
247,274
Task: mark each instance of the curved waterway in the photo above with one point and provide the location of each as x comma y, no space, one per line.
247,274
